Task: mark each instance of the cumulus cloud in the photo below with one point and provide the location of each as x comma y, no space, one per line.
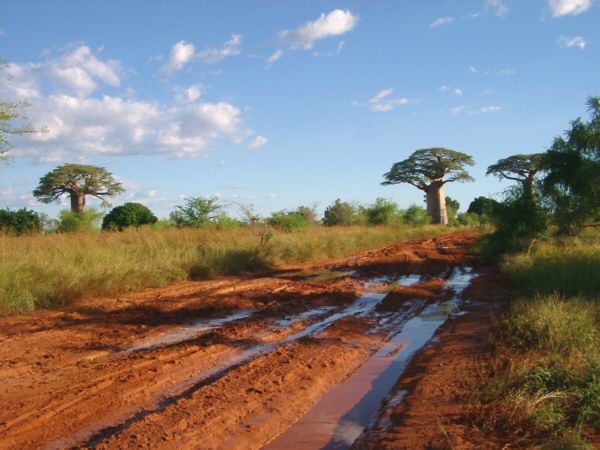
258,141
572,7
81,126
567,42
183,52
441,21
336,23
496,7
473,69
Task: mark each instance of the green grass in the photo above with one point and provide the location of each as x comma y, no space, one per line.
542,386
47,271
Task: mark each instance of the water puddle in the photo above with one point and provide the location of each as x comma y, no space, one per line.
239,356
339,418
190,331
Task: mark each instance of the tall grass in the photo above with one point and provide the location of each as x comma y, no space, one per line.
46,271
543,382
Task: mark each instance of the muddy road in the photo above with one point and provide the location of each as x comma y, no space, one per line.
302,357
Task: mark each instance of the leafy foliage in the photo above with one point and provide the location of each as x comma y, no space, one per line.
72,222
77,181
573,179
382,212
521,168
483,205
288,220
429,169
340,213
416,215
128,215
430,164
11,113
20,222
196,212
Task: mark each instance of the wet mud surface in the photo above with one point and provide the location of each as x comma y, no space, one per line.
361,351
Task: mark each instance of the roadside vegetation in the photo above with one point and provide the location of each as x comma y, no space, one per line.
38,271
541,387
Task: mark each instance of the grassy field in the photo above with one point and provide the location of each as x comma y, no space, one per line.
542,386
46,271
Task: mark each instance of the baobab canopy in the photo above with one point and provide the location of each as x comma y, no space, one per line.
77,181
429,169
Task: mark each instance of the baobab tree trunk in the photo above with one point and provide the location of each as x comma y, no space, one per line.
436,203
78,203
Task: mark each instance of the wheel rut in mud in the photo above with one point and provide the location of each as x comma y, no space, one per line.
240,362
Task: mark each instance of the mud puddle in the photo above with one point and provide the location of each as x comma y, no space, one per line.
345,413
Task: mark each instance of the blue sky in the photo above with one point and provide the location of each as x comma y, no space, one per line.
280,104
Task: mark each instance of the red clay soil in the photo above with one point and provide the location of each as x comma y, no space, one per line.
111,373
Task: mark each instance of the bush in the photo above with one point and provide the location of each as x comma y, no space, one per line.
340,213
71,222
416,215
128,215
20,222
288,221
196,212
382,212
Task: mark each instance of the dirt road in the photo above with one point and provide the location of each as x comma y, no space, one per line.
242,362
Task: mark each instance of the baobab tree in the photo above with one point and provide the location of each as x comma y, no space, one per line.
429,169
521,168
77,181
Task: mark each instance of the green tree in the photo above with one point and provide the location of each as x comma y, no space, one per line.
77,181
288,220
429,170
196,212
128,215
482,205
572,163
521,168
382,212
13,121
416,215
73,222
20,222
452,207
340,213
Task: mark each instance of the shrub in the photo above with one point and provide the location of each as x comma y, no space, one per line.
340,213
288,221
128,215
382,212
20,222
196,212
416,215
71,222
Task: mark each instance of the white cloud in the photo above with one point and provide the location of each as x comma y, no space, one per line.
456,110
448,88
564,7
230,48
485,109
275,56
380,102
189,95
441,21
497,7
473,69
506,72
335,23
258,141
331,53
181,54
567,42
81,127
